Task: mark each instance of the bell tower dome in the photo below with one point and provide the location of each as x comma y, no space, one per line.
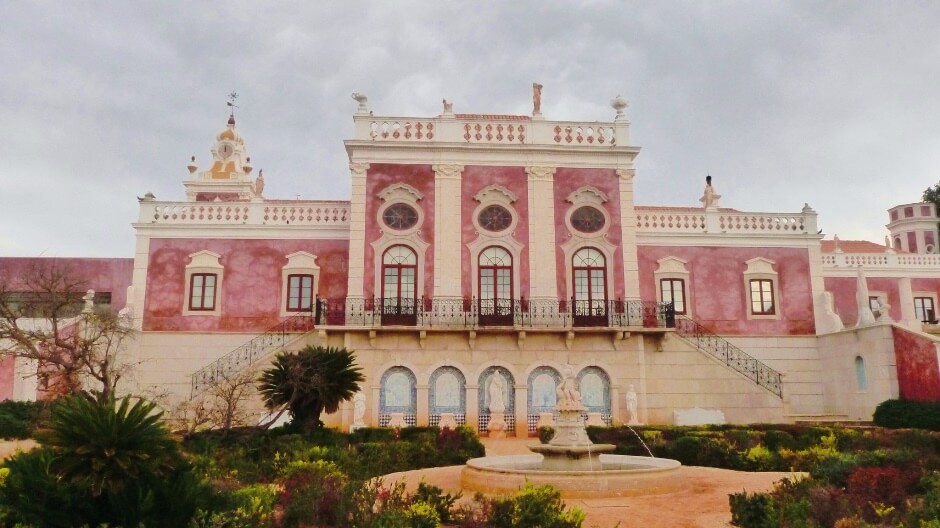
228,178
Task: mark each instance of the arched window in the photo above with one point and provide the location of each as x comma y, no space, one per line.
590,288
861,378
447,394
542,397
399,394
399,295
496,303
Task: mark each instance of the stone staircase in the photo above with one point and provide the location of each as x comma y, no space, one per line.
731,356
280,336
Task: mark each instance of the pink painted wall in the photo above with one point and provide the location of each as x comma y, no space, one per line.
718,297
251,284
100,274
918,371
566,181
6,378
380,176
475,179
843,295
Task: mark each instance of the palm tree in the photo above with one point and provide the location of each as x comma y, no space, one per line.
107,445
311,381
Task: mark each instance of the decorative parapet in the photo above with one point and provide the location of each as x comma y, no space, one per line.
650,220
494,130
884,261
304,213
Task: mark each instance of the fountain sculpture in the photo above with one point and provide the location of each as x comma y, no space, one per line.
572,463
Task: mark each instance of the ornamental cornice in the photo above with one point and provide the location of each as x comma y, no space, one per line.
358,169
540,173
447,171
626,174
402,191
495,193
588,194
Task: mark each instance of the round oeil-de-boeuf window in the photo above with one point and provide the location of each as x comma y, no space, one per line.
495,218
587,219
400,216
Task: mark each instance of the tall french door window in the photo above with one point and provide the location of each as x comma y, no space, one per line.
496,302
673,291
399,292
299,293
590,287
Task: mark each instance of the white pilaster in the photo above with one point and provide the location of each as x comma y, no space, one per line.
631,266
906,298
357,230
542,274
447,234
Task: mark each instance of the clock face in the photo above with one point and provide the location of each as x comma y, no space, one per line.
225,150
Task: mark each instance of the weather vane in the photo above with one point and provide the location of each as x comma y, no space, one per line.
231,102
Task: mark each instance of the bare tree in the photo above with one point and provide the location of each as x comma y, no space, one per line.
46,316
229,396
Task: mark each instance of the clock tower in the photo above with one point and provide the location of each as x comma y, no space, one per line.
228,179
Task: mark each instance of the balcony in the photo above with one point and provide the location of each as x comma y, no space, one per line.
467,313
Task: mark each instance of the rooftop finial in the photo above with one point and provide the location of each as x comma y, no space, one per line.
536,99
231,103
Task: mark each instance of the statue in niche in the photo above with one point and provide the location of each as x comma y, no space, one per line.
567,390
497,393
709,198
536,99
359,409
259,183
632,405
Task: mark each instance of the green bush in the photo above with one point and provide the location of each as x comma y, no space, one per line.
533,507
896,414
752,510
19,419
546,433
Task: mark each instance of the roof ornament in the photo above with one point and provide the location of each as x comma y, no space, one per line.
231,104
710,197
619,104
536,99
363,102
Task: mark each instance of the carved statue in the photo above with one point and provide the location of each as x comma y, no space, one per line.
632,405
259,183
536,99
709,198
567,390
89,299
359,409
448,107
497,391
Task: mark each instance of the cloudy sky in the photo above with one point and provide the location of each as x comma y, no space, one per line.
830,103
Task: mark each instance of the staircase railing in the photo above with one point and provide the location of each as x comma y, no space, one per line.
732,356
275,337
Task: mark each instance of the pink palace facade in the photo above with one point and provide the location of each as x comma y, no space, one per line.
476,246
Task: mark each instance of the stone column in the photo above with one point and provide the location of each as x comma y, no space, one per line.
906,294
631,266
357,230
473,407
542,275
423,417
521,410
447,234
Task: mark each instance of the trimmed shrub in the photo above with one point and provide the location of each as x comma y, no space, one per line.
546,433
896,414
752,510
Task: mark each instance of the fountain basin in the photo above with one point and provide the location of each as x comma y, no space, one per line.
618,476
572,457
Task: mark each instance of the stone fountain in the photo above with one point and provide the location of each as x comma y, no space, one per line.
573,464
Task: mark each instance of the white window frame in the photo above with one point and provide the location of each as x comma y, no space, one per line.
928,295
203,262
760,268
399,193
577,240
299,263
674,268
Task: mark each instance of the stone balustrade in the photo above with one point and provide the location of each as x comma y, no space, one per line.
494,130
650,220
307,213
881,260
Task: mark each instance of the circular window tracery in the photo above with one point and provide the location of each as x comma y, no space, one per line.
400,216
587,219
495,218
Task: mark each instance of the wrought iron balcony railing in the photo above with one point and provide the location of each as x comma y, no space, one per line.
473,313
730,355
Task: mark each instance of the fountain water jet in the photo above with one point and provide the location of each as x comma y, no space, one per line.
573,464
